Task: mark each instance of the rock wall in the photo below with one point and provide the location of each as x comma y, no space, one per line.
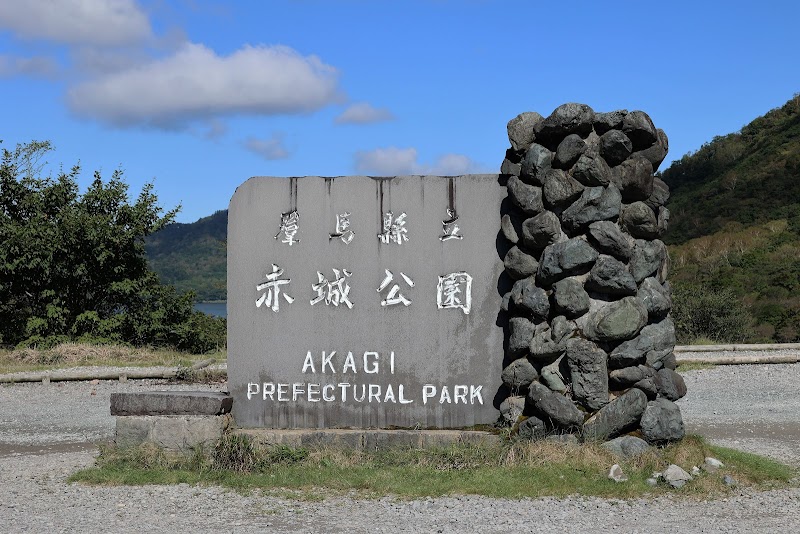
589,345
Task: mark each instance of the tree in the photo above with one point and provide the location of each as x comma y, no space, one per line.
73,266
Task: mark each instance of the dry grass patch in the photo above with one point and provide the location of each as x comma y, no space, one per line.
83,354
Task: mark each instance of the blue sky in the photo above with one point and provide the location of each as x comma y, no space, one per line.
197,96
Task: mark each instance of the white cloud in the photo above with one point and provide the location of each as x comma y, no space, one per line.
195,83
37,66
269,149
101,61
389,161
453,165
363,113
392,161
97,22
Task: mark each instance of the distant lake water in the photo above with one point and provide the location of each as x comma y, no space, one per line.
218,309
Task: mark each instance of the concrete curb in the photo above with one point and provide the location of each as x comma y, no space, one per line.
737,347
105,373
726,359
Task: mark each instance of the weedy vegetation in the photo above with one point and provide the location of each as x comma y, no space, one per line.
511,469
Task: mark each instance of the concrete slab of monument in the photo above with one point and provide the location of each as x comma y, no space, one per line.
173,420
358,302
171,403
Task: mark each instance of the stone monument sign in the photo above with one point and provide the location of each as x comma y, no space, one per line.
365,302
539,295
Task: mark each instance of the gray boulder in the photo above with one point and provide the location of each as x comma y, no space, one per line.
520,334
570,298
552,375
617,474
527,297
545,349
541,230
594,204
511,409
532,429
592,170
565,258
526,197
617,417
638,126
537,160
519,374
648,259
521,130
611,120
616,321
653,343
509,167
626,377
520,265
662,422
553,408
660,194
560,189
610,239
675,476
592,144
611,277
562,328
655,297
566,119
615,147
505,302
663,220
507,226
670,384
627,446
587,367
634,177
568,151
648,387
656,153
639,221
669,361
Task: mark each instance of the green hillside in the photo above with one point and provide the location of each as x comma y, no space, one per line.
749,177
735,226
192,256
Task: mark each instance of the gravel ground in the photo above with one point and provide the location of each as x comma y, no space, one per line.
46,431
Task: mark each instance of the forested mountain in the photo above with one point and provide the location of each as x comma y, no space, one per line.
192,256
735,224
749,177
734,238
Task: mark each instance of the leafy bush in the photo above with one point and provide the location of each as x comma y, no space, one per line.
73,266
716,314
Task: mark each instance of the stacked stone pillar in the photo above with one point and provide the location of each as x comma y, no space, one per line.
590,339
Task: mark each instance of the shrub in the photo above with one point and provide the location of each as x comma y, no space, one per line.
716,314
73,266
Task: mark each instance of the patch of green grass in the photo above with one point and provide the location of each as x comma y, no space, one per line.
694,366
753,467
507,470
703,341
